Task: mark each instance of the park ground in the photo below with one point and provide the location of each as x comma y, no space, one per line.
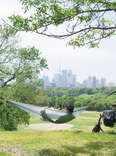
74,141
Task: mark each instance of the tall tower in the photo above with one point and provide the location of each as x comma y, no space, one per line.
94,84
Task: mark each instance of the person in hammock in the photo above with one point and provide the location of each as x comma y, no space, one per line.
67,116
60,107
51,115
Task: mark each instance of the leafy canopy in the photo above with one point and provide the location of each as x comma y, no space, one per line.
17,67
19,64
87,22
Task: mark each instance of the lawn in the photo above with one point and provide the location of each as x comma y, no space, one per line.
78,141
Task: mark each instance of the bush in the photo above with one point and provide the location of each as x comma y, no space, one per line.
11,117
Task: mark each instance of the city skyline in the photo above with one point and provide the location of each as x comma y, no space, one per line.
66,78
77,75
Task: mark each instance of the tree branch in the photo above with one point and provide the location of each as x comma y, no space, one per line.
5,83
95,11
76,32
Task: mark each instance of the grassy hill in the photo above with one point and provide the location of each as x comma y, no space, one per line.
78,141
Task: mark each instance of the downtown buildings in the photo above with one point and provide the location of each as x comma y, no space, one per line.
66,78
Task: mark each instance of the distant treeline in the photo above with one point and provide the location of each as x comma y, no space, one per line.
81,97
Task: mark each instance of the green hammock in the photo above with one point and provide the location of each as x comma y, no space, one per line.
51,115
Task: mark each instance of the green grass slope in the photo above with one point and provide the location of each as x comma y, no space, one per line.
78,141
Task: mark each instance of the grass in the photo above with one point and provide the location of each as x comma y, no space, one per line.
95,114
78,141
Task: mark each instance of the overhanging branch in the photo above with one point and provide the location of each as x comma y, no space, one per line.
76,32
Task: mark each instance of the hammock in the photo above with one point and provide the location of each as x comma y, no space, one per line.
51,115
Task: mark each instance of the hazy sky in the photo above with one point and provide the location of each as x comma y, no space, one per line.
83,62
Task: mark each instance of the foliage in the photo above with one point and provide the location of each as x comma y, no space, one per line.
16,63
86,21
81,97
17,67
11,117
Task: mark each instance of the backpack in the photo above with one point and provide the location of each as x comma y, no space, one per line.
109,117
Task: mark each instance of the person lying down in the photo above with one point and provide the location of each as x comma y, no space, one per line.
54,116
58,117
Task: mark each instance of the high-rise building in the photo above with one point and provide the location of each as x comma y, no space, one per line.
103,82
89,81
94,82
64,79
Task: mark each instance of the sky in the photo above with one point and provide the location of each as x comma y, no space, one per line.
83,62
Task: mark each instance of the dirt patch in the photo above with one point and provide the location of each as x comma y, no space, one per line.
50,127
